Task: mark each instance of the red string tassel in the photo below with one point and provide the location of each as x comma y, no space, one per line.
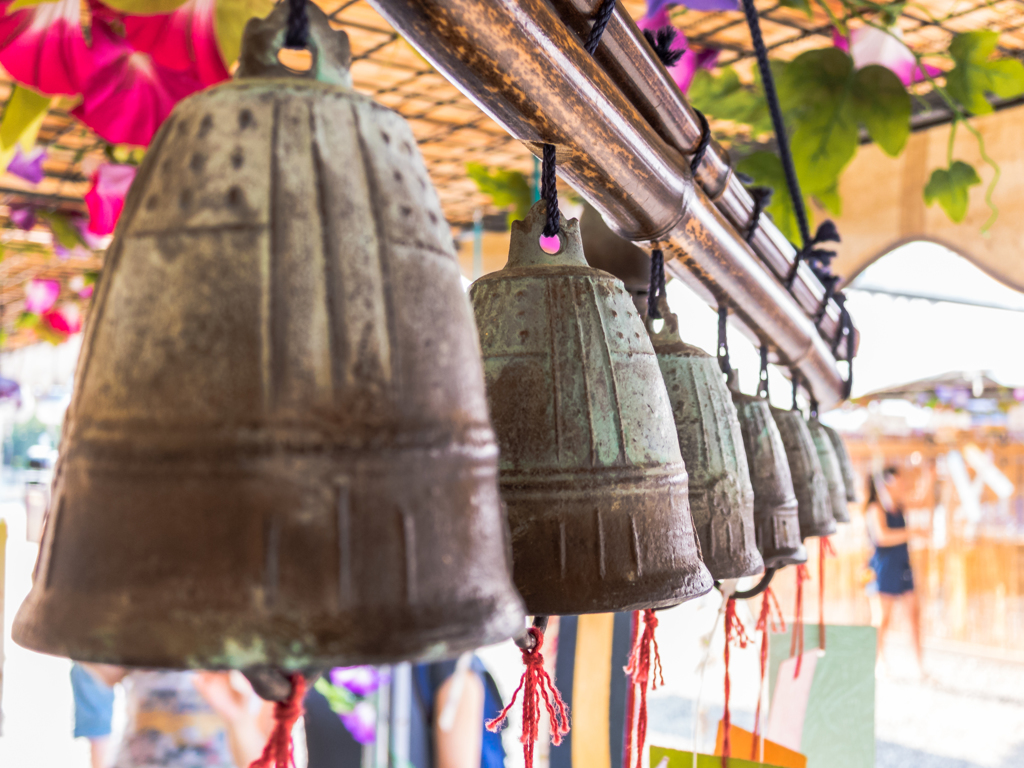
825,550
765,623
796,646
535,685
734,632
278,752
645,649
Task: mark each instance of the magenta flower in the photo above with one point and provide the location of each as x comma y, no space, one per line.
684,70
41,295
361,681
23,216
361,722
661,6
105,198
128,95
63,321
184,40
43,46
28,167
870,45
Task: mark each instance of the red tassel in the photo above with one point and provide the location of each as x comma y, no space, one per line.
796,647
278,752
825,550
734,632
765,623
645,648
536,684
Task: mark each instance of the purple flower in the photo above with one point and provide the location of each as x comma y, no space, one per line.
870,45
683,71
40,295
362,681
361,722
23,216
28,167
655,6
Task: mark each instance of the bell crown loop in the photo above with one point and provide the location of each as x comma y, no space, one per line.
264,39
525,250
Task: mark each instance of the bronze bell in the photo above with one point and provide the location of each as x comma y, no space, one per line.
591,475
775,505
845,465
833,472
711,442
278,452
813,504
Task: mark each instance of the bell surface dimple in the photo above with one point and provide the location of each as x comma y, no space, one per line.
813,504
776,520
591,474
278,451
833,472
845,465
711,443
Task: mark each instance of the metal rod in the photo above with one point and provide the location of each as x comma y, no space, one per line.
528,71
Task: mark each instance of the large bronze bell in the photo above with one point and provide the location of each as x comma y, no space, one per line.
775,505
278,451
711,442
813,504
845,464
591,473
833,472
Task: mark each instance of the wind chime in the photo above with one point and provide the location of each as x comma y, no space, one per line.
278,452
837,494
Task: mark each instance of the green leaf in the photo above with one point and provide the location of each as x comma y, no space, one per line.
800,5
67,234
976,74
27,320
341,700
21,121
830,200
950,186
724,97
766,170
144,7
881,102
230,18
505,188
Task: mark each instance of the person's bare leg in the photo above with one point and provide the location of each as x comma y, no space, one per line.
914,608
887,602
98,749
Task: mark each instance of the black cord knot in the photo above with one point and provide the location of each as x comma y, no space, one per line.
657,286
705,141
661,42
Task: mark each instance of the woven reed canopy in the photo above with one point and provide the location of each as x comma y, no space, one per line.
451,130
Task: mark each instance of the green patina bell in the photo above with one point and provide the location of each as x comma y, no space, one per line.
775,504
590,469
833,472
845,465
812,493
711,442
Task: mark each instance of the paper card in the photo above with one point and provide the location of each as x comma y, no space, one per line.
839,722
742,741
674,758
789,703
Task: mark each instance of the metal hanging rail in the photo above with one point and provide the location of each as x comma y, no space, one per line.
521,63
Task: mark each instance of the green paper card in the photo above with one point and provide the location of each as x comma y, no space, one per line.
673,758
839,727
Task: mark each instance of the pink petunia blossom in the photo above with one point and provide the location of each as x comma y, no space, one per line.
870,45
65,321
41,295
684,70
183,40
28,167
129,95
105,198
43,46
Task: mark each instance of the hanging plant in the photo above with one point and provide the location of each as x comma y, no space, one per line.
505,189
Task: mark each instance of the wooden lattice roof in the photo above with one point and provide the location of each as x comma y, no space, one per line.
451,130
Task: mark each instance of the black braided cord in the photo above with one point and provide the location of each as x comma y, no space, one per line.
298,25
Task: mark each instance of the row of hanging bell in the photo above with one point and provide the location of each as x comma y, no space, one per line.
278,450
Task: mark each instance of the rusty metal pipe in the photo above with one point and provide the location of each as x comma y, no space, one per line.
528,71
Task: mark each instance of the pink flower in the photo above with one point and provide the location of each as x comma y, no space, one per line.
28,167
870,45
65,321
43,46
361,722
40,295
683,71
105,197
183,40
129,95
